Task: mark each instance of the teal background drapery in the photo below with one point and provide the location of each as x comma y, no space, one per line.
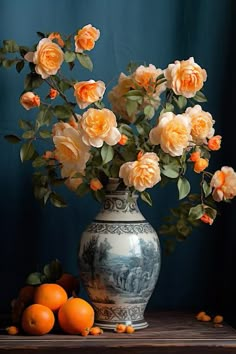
200,273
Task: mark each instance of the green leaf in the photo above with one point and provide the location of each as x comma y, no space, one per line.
45,134
145,196
183,187
196,212
41,34
10,46
7,63
20,65
27,151
181,102
24,124
149,111
206,188
39,162
168,171
168,108
107,153
43,118
131,107
28,134
99,195
57,200
200,97
53,270
69,56
212,213
34,279
82,189
32,81
14,139
135,93
85,61
126,130
62,112
40,192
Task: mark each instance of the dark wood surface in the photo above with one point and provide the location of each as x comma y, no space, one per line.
168,332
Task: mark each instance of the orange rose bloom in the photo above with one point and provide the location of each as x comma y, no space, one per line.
87,92
29,100
214,143
123,140
86,38
200,165
95,184
99,125
185,77
224,184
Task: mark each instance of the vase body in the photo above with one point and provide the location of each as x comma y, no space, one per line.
119,262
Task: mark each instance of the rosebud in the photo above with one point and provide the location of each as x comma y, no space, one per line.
123,140
206,219
53,93
29,100
195,156
214,143
95,184
200,165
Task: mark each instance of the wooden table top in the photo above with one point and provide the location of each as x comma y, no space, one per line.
168,332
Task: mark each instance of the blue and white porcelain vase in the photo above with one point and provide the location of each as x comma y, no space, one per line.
119,262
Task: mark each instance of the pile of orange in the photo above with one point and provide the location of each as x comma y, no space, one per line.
40,307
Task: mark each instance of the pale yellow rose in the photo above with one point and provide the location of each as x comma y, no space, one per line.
29,100
118,100
224,184
99,125
185,77
201,124
87,92
172,133
143,173
70,149
86,38
59,127
47,58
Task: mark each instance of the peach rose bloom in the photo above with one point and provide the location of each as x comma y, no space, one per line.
95,184
99,125
86,38
145,76
214,143
185,77
194,156
29,100
206,219
70,149
47,58
224,184
59,127
143,173
87,92
201,124
117,99
172,133
200,165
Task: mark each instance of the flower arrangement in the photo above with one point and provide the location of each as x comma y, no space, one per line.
155,131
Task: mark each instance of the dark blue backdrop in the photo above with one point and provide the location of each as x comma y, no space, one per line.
200,273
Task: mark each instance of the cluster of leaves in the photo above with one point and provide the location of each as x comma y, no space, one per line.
50,273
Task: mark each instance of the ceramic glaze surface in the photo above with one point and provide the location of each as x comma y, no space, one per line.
119,259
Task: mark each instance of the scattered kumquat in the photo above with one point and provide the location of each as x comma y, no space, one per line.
84,332
95,331
218,319
129,329
12,330
200,315
120,328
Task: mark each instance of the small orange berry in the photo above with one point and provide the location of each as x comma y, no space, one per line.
199,315
129,329
95,331
95,184
84,332
218,319
120,328
12,330
206,318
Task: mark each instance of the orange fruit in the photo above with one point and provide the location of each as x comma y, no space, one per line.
50,295
95,331
26,294
120,328
69,283
37,319
75,315
129,329
12,330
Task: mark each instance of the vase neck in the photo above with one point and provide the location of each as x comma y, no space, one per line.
120,206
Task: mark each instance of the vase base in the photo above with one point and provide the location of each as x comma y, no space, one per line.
141,324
